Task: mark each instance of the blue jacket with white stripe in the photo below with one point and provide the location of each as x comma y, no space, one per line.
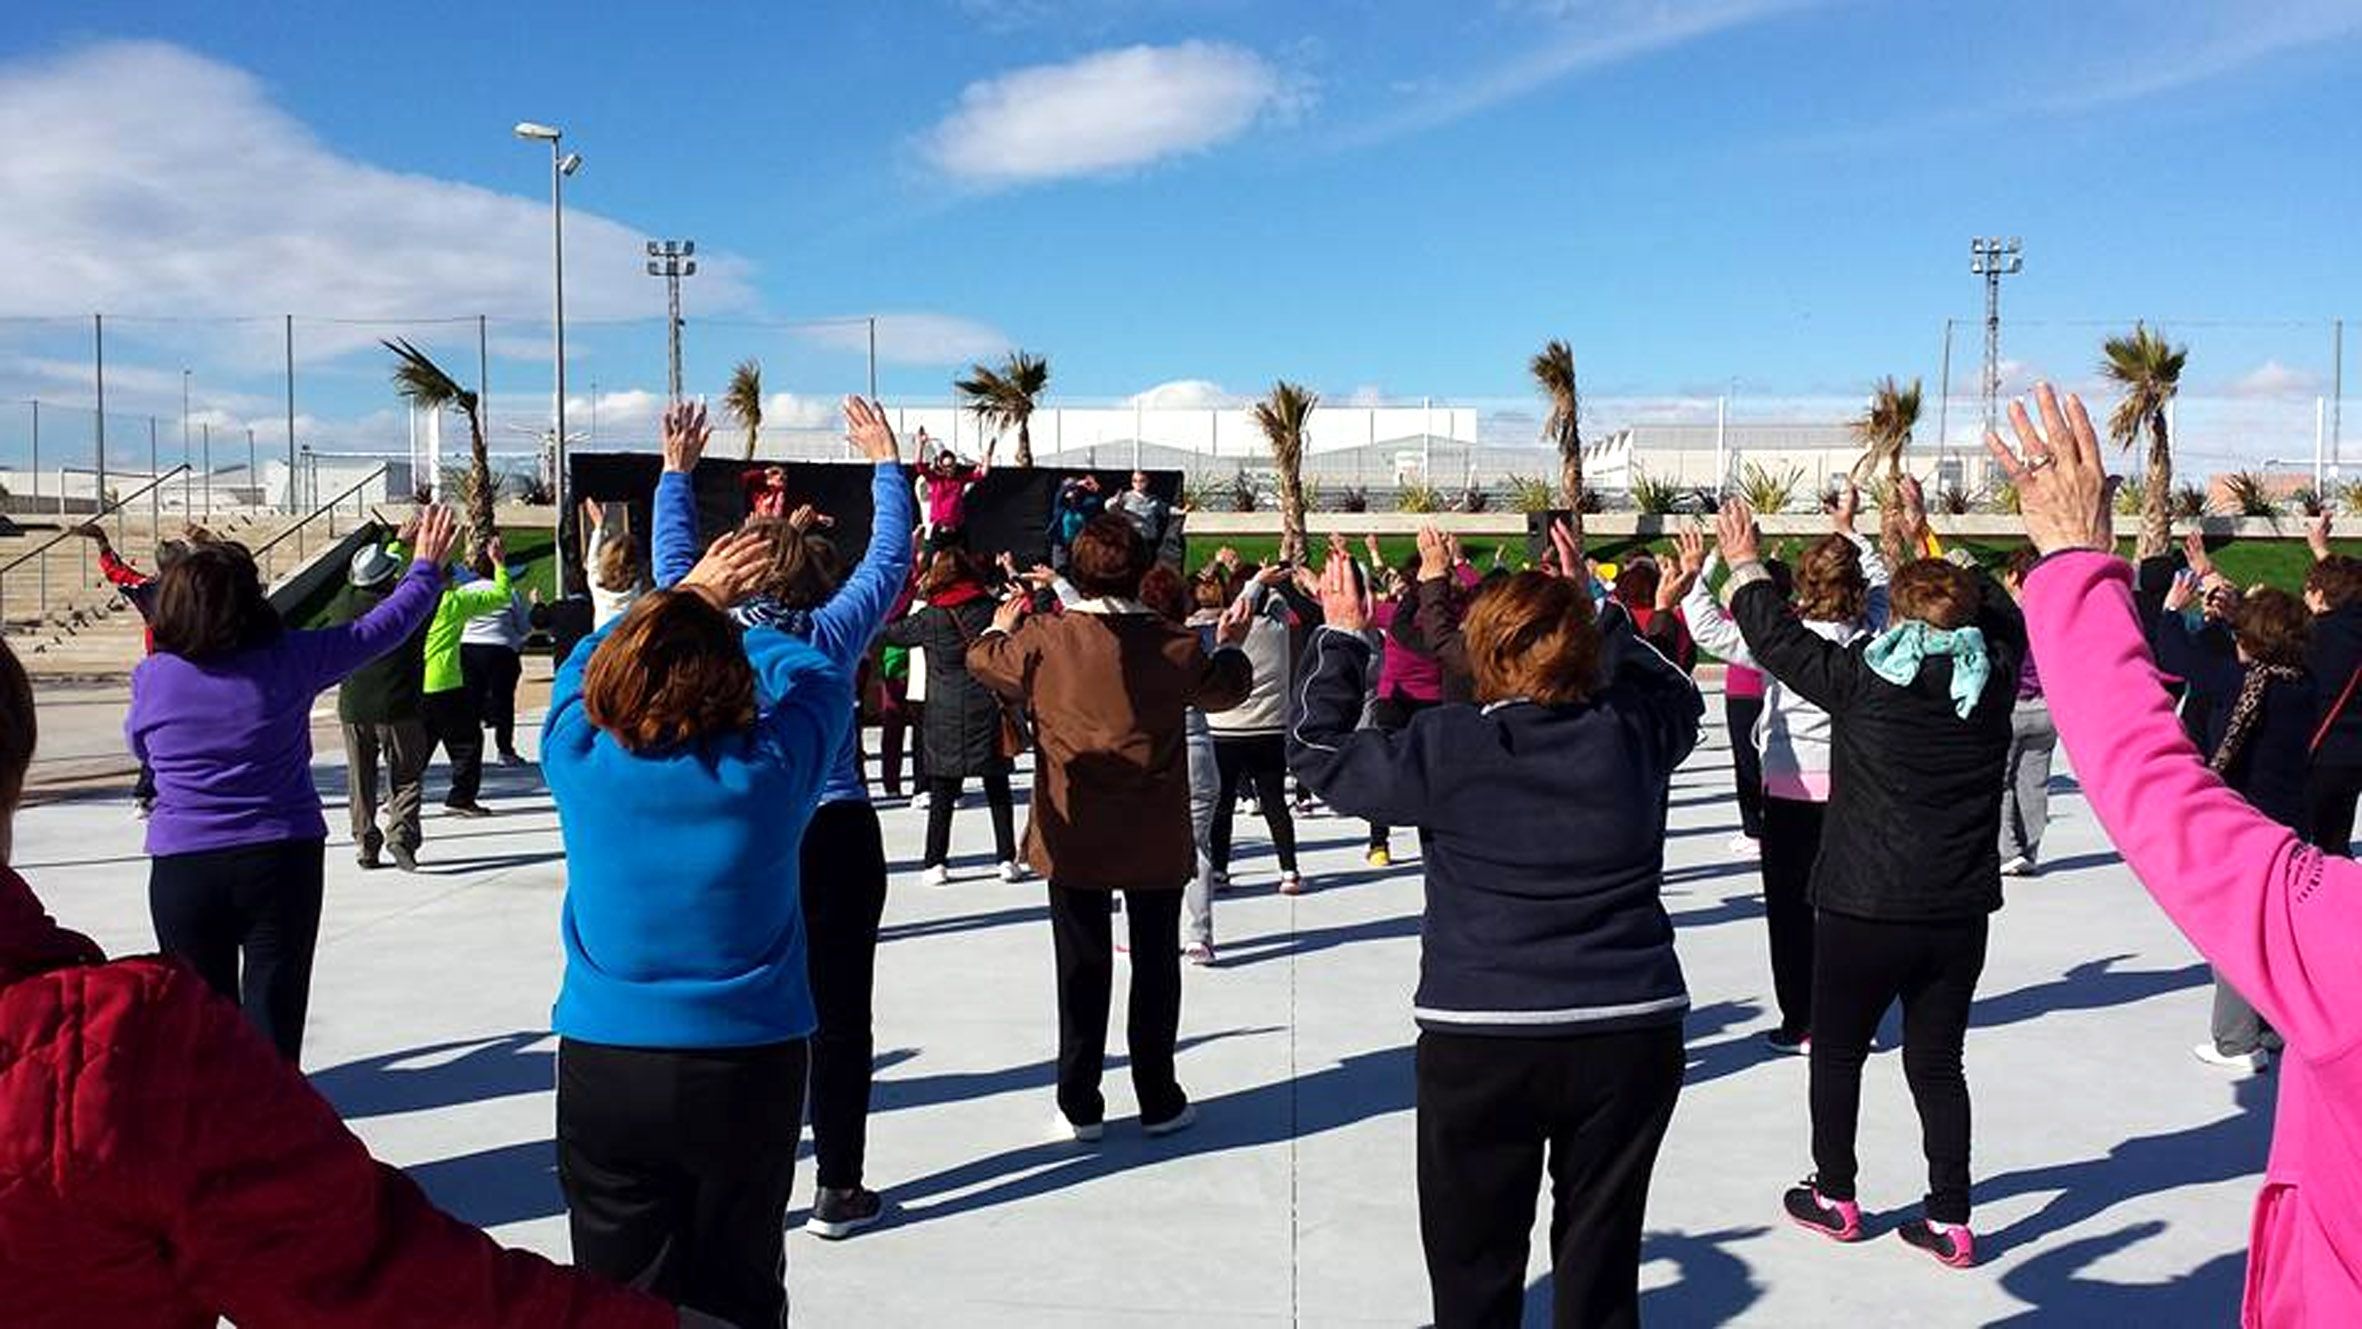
1542,829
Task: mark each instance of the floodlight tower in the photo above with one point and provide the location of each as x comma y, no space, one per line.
1993,258
670,259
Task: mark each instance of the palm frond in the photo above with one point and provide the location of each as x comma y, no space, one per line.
2132,493
2149,370
1884,426
743,399
422,382
2249,494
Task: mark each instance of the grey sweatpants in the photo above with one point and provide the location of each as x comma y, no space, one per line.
1205,789
2025,792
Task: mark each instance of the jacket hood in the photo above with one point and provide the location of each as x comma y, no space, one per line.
31,942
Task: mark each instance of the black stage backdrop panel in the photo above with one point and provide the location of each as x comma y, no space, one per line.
1007,510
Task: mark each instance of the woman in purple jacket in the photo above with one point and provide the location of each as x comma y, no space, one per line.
222,713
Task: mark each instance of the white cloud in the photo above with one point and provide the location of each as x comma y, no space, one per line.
198,196
2274,379
913,339
788,410
1183,394
1105,112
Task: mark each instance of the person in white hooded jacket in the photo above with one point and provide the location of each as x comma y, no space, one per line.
1250,739
1840,595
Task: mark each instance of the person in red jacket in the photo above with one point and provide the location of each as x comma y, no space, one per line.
139,590
161,1165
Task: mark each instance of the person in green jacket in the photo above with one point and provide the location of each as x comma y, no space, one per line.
380,710
452,718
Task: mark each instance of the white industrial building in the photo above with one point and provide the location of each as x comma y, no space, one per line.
1711,455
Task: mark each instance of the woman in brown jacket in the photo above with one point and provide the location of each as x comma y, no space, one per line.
1107,683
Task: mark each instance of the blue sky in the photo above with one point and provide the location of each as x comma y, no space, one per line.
1379,196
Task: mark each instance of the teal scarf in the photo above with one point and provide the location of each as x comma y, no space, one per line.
1896,654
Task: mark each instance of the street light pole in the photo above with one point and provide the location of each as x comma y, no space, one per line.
561,165
670,259
1993,258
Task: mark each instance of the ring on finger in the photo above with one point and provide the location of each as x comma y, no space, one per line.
2034,464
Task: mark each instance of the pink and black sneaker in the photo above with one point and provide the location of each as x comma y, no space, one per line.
1838,1220
1950,1243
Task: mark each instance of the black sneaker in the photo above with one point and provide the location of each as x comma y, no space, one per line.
839,1213
1798,1042
1950,1243
1838,1220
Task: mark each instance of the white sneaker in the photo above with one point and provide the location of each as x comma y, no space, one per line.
918,802
938,875
1179,1121
2253,1063
2020,866
1014,872
1743,846
1080,1134
1199,953
1292,883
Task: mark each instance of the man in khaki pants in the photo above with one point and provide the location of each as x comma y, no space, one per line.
380,708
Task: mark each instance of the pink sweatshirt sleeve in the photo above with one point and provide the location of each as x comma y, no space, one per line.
2280,920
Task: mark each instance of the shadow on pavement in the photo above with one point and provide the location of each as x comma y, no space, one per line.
1714,1288
2207,1295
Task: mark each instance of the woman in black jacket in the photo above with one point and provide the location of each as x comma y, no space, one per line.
960,727
1550,1000
1910,864
2261,710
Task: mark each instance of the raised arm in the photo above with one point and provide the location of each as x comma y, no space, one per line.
1377,774
844,627
1715,631
1003,656
1665,700
673,544
332,653
2281,921
1816,669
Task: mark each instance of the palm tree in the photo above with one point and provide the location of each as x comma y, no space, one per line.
1554,372
1003,398
1282,417
422,383
743,400
1884,429
2150,371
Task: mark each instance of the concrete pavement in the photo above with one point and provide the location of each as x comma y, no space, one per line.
2114,1172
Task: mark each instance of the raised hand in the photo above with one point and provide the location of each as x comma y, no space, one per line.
805,517
2317,533
866,429
496,551
1341,604
685,435
1010,613
1231,628
1571,563
2194,552
1435,553
1849,504
1369,547
1734,529
732,569
2182,592
1690,545
2063,492
594,514
436,529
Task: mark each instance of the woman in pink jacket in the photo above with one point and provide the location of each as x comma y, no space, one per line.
2279,919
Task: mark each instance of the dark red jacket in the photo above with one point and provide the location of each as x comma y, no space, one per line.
161,1166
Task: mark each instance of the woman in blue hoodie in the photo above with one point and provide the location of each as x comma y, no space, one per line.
844,853
1550,1000
686,757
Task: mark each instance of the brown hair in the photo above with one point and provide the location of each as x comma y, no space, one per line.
672,672
1830,587
1532,635
2338,579
619,565
211,603
2273,627
1108,557
2021,561
948,568
1161,591
1935,592
791,577
1210,591
1637,582
19,728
